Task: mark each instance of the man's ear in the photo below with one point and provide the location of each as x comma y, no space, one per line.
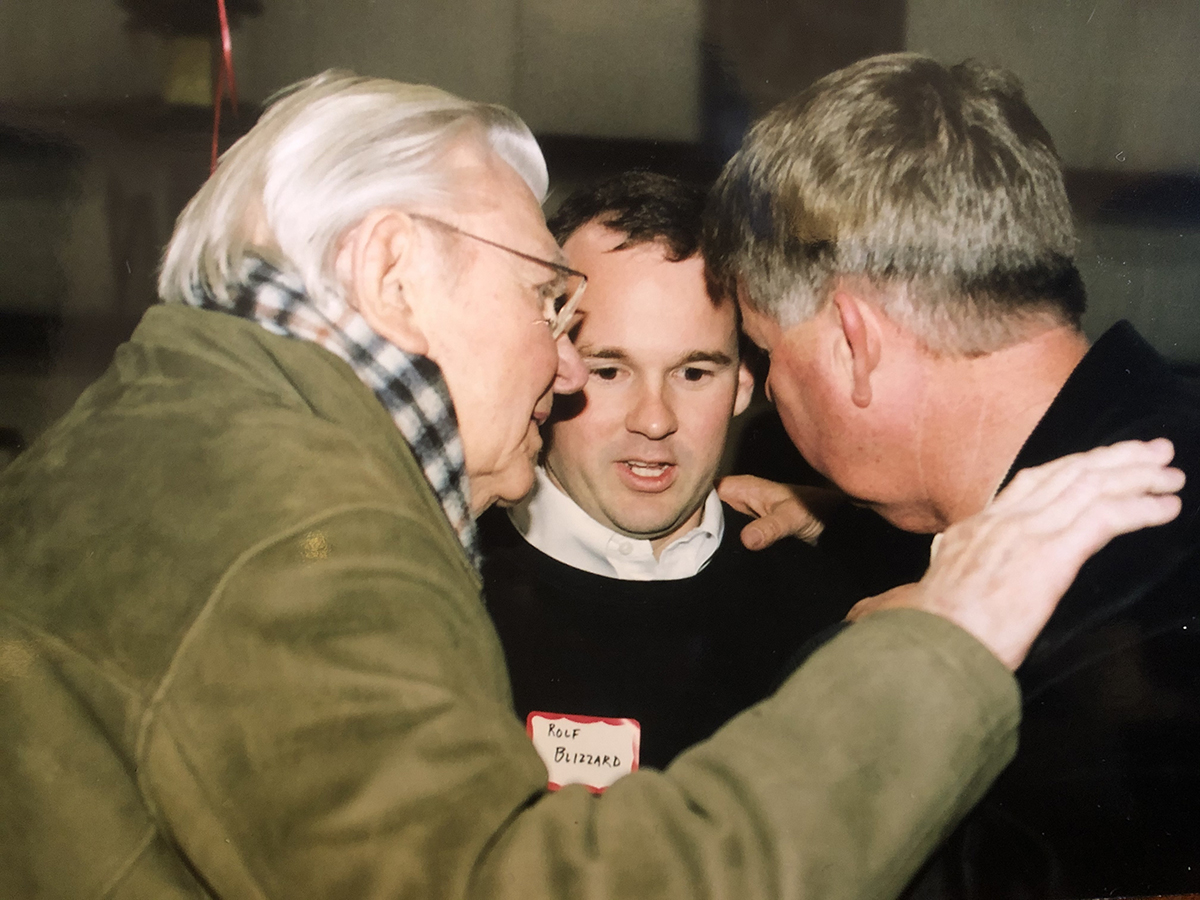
745,389
378,265
859,322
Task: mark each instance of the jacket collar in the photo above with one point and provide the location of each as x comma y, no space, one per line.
410,387
1116,370
1121,390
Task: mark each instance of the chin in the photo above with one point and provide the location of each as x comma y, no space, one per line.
907,517
516,486
503,489
649,527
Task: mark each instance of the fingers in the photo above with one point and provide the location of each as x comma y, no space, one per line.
782,510
1104,517
1142,462
1090,498
897,596
1000,573
757,537
750,494
787,521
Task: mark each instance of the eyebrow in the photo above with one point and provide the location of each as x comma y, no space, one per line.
716,357
603,353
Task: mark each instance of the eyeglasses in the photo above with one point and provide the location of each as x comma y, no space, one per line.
560,297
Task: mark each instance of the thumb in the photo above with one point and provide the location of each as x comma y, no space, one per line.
783,521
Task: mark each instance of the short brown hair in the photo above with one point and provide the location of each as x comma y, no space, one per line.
646,207
938,181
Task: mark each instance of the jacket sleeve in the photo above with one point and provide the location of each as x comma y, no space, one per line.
337,724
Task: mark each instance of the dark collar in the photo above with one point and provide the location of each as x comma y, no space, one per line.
1121,389
1097,399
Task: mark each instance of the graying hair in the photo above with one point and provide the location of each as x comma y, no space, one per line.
938,186
326,152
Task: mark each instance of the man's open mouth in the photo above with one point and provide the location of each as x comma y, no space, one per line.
647,469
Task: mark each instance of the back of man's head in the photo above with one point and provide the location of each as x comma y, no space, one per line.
936,186
646,207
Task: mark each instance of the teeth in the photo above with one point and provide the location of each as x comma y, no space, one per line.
647,470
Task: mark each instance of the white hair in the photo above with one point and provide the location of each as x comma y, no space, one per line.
327,152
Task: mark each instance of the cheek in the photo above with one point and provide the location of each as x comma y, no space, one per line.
792,402
582,436
604,408
543,355
521,368
709,418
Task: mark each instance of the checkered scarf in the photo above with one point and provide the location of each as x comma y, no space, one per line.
410,387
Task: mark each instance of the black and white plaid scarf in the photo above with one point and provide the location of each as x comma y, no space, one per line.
410,387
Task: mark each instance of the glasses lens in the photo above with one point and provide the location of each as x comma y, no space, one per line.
566,303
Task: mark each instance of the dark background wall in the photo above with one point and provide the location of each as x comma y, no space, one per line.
94,165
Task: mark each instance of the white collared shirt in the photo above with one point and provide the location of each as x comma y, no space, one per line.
554,523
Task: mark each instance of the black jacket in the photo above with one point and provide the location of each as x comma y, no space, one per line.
1103,798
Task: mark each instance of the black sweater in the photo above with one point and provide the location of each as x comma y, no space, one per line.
1103,798
679,656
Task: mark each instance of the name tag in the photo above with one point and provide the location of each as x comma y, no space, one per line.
584,750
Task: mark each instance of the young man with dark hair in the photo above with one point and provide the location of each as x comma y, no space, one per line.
620,588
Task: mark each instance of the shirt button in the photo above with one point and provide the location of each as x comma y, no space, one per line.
626,548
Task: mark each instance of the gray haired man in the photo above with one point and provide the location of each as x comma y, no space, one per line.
901,243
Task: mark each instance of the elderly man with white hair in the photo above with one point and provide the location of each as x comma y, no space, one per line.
243,651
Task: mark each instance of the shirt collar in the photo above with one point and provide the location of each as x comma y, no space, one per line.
556,525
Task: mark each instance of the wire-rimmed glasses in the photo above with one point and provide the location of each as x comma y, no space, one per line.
560,297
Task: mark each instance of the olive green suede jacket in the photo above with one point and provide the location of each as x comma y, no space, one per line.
243,655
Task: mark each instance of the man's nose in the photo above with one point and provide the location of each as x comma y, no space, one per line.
651,414
572,373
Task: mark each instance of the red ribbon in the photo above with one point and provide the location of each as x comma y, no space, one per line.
225,80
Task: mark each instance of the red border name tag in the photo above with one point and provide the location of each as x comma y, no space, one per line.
587,750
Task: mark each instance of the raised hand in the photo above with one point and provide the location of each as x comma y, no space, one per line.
1000,573
780,510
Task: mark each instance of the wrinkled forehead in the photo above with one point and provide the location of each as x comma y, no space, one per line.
486,193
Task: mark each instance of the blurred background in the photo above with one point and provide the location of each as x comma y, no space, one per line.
106,125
